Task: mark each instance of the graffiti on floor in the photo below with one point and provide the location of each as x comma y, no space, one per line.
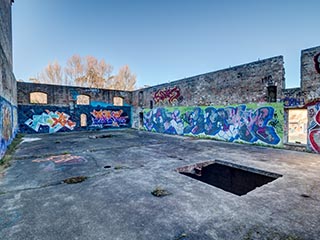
317,62
54,120
314,128
59,162
62,159
169,95
234,123
104,118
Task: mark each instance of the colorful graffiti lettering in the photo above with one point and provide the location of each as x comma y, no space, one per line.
317,62
54,120
160,120
103,118
314,128
62,159
167,94
228,123
293,102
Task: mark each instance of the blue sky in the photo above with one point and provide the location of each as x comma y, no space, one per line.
164,40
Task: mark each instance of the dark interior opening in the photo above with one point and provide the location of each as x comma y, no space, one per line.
141,118
272,93
229,178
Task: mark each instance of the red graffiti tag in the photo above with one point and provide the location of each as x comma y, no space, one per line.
169,94
317,62
62,119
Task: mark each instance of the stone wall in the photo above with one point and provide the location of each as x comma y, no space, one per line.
256,82
6,30
8,88
65,95
63,111
310,73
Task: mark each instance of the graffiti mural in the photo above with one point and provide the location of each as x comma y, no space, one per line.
314,128
51,119
162,121
54,120
169,95
7,127
7,122
104,118
317,62
244,123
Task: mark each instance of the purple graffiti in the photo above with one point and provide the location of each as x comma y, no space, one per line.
229,123
162,121
103,118
167,94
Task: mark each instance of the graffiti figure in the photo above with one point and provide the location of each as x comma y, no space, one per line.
167,94
54,120
104,118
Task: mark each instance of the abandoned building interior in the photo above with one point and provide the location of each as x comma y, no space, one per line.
247,103
201,158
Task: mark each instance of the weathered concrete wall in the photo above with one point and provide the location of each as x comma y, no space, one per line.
247,123
248,83
6,30
65,95
62,113
8,88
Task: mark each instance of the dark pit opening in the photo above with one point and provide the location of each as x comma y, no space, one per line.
107,166
229,177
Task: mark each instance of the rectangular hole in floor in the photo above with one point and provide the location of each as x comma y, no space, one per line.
227,176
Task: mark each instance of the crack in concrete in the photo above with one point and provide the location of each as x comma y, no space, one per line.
48,185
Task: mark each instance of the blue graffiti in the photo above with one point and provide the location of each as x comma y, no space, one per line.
159,120
229,123
293,102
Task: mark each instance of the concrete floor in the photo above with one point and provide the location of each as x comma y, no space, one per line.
116,202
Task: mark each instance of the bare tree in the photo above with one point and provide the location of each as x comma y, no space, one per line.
52,73
124,80
87,72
